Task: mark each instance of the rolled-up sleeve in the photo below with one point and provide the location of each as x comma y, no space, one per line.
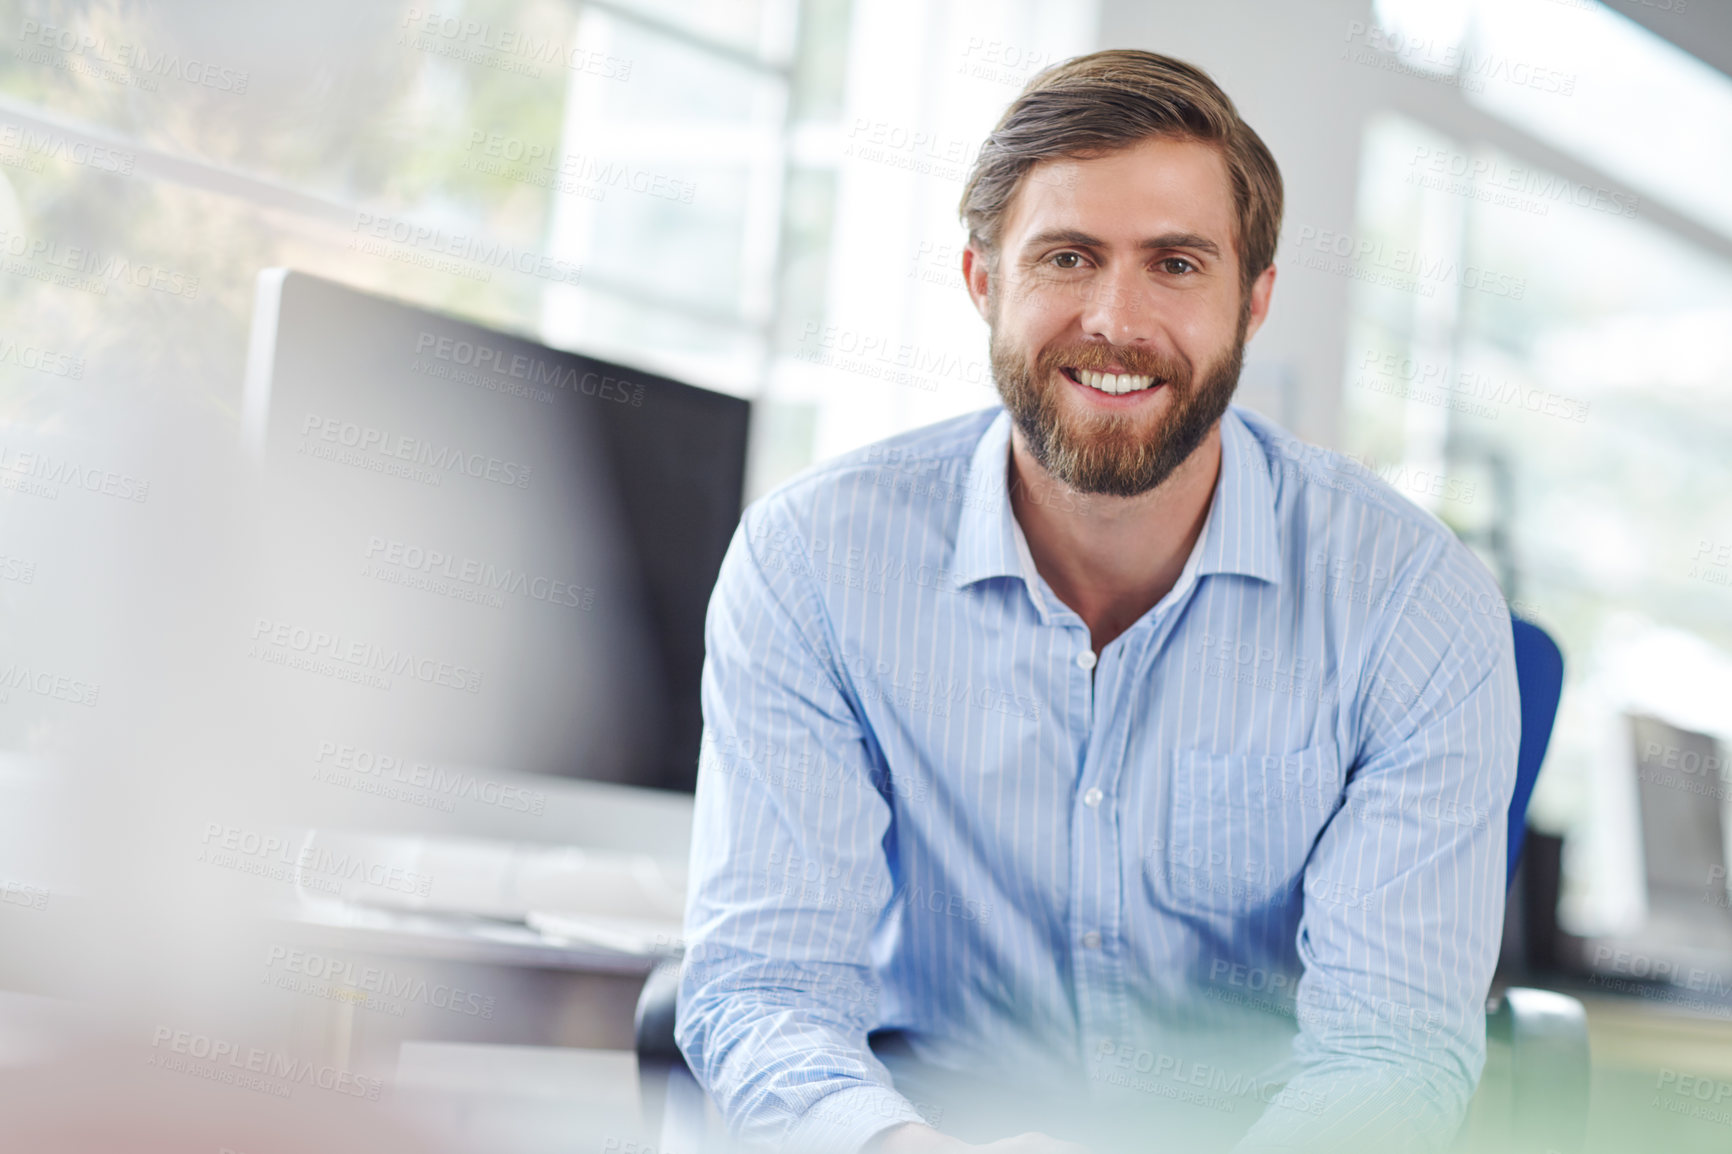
1404,892
788,871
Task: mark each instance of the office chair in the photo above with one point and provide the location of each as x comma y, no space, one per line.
1540,679
1542,1105
1545,1103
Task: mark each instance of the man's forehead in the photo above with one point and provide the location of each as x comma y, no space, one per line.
1154,187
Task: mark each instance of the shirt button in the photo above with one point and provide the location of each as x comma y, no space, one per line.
1093,798
1086,659
1092,940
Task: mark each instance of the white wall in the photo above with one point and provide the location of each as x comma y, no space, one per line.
1281,63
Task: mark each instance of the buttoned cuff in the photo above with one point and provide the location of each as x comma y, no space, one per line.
842,1122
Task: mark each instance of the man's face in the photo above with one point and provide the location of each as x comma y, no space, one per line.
1117,318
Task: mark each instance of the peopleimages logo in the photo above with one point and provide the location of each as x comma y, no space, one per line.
41,360
533,370
134,58
1443,59
319,645
470,38
91,270
271,1071
425,456
435,569
438,780
23,894
477,251
329,976
312,866
1180,1077
1370,258
1489,179
22,678
584,174
37,144
43,474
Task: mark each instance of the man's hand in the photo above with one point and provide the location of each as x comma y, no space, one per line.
917,1138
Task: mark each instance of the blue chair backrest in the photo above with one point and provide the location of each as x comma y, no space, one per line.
1540,679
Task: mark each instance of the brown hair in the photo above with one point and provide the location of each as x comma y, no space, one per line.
1099,103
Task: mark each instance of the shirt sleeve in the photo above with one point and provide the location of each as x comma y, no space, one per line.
1404,892
788,870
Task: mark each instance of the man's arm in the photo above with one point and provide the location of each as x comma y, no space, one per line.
788,875
1404,893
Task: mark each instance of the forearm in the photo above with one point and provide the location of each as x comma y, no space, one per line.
1403,915
781,1049
912,1138
1356,1105
1383,1075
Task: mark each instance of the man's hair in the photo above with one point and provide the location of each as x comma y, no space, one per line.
1097,104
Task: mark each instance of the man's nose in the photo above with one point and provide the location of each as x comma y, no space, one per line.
1117,308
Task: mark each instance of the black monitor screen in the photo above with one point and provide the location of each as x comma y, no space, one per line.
478,550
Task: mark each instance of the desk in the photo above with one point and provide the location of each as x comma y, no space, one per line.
524,1099
1642,1052
362,984
535,990
552,1068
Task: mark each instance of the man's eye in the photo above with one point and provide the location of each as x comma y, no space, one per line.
1068,260
1177,265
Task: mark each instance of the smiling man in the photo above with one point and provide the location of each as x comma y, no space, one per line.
1109,763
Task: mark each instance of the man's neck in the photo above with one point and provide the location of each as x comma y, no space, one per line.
1112,559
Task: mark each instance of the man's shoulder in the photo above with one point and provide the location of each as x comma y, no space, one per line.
929,461
1305,473
1361,531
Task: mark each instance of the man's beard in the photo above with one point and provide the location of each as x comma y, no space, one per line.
1110,453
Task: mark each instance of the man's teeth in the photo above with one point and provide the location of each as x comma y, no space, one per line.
1115,383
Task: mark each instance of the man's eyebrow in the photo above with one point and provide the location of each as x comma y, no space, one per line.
1082,239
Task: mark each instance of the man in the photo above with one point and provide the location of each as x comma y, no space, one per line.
1111,743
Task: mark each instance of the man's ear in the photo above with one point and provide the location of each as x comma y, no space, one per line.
1261,290
977,275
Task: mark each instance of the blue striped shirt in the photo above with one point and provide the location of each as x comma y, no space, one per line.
1245,864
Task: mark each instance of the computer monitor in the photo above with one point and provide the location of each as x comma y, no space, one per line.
1681,948
1682,783
477,550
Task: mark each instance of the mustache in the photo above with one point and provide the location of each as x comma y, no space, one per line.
1100,357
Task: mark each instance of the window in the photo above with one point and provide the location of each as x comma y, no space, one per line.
1538,354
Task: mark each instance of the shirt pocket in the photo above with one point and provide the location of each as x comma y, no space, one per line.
1241,826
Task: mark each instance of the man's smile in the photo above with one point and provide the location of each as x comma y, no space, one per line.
1112,383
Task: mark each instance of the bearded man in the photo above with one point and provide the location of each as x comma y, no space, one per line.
1107,764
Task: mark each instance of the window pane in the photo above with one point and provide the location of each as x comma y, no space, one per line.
1563,363
678,207
758,27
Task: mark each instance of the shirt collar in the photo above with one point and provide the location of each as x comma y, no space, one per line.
1238,536
989,542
